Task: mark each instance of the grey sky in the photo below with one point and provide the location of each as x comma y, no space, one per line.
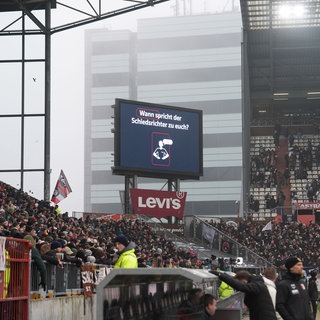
67,93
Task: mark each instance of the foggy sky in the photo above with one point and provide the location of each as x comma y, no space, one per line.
67,93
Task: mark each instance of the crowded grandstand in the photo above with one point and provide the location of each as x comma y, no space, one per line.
274,223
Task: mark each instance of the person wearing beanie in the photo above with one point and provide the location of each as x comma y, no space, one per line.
313,292
55,245
51,256
126,254
292,300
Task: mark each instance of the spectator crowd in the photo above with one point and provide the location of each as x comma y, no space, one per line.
284,240
84,240
92,239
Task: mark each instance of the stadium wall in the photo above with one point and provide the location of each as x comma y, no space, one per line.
60,308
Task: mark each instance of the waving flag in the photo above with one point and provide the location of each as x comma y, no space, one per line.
267,227
61,190
208,233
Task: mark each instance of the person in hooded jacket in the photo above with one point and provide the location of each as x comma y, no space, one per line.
257,297
292,300
190,308
126,254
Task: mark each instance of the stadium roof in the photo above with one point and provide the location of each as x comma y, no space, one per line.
282,46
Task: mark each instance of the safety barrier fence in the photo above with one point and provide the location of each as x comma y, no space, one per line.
156,296
14,278
63,281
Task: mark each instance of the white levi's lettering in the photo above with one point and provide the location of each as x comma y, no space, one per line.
166,203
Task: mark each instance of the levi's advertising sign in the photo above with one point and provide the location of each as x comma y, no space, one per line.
157,140
159,204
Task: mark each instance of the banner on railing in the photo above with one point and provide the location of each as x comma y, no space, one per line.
226,246
307,206
112,216
159,204
88,279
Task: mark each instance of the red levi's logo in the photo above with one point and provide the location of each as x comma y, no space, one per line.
159,204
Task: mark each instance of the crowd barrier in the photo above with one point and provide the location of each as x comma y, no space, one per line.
14,278
121,294
64,280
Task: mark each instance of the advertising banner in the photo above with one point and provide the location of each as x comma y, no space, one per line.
307,206
159,204
88,279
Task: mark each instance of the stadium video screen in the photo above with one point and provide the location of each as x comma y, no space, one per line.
157,141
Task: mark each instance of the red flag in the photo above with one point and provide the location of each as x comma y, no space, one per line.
62,189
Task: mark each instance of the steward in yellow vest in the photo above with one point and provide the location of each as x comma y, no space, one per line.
127,257
225,290
6,275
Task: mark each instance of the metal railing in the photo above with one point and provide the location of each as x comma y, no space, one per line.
223,243
180,242
61,279
14,279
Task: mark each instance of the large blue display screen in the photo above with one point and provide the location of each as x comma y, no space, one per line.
157,140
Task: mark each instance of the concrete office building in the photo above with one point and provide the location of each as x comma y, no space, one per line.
185,61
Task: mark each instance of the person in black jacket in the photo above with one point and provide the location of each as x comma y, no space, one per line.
190,308
292,300
257,297
51,255
313,292
210,307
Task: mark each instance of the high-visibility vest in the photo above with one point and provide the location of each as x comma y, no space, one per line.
6,275
127,259
225,290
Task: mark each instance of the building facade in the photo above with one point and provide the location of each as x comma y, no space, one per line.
186,61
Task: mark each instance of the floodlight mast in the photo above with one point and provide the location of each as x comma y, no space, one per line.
26,7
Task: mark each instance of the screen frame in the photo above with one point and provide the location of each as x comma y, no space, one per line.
119,169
